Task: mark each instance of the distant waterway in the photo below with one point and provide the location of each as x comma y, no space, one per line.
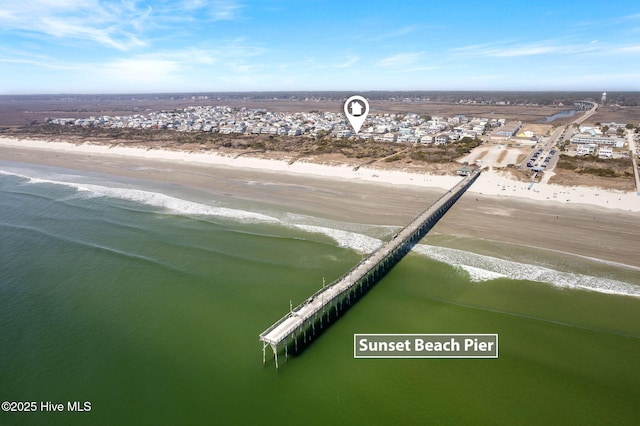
562,114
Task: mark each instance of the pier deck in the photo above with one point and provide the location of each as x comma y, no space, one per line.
366,273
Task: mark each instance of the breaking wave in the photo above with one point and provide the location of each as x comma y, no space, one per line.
346,239
484,268
154,199
476,266
481,268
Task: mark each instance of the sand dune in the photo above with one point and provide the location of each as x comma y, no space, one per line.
490,183
592,222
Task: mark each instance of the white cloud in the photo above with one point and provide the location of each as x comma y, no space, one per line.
213,10
140,69
45,64
394,34
347,62
547,47
68,29
628,49
118,24
225,9
400,60
111,24
503,50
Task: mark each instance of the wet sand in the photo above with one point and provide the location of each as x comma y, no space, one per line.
587,230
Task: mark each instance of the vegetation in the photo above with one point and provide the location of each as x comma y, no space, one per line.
443,153
466,144
322,143
613,168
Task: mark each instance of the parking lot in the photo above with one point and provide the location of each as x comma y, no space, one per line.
542,159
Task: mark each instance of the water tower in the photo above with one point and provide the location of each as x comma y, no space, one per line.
604,98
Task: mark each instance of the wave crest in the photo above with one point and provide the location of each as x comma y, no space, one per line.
481,268
154,199
351,240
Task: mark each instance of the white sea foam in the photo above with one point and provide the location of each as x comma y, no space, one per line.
478,267
482,268
479,274
175,205
155,199
352,240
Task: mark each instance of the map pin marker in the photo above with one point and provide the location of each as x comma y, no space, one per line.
356,108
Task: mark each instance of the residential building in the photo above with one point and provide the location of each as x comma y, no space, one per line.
586,149
441,139
605,152
587,138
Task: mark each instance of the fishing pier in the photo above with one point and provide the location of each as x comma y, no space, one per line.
301,323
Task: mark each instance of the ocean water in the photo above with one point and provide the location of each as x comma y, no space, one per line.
147,300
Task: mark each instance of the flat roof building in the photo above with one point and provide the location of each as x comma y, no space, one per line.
582,138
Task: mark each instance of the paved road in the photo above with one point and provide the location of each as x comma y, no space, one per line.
559,132
588,114
555,137
634,161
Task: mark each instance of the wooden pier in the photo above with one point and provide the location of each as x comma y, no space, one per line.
315,313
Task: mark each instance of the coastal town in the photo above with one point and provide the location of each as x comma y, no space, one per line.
606,140
410,127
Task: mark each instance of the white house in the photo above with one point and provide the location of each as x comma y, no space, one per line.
441,139
605,152
586,149
426,139
390,137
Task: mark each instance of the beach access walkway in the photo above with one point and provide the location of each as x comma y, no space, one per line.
315,313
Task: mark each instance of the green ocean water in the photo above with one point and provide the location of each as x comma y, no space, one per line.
149,307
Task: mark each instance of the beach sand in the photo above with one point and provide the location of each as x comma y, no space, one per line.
586,221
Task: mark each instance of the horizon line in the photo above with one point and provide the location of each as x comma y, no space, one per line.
321,91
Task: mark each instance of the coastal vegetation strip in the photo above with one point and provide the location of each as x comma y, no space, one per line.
591,164
291,146
428,158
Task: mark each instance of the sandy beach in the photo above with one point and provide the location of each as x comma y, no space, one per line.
587,221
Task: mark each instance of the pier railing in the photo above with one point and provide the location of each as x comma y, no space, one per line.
366,273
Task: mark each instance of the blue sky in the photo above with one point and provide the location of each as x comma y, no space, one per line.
129,46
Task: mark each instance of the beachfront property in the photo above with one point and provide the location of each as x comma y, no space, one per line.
506,131
605,152
590,138
391,128
586,149
441,139
406,128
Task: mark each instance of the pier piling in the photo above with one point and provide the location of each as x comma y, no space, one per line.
361,277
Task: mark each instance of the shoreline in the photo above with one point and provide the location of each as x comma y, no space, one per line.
600,231
491,182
